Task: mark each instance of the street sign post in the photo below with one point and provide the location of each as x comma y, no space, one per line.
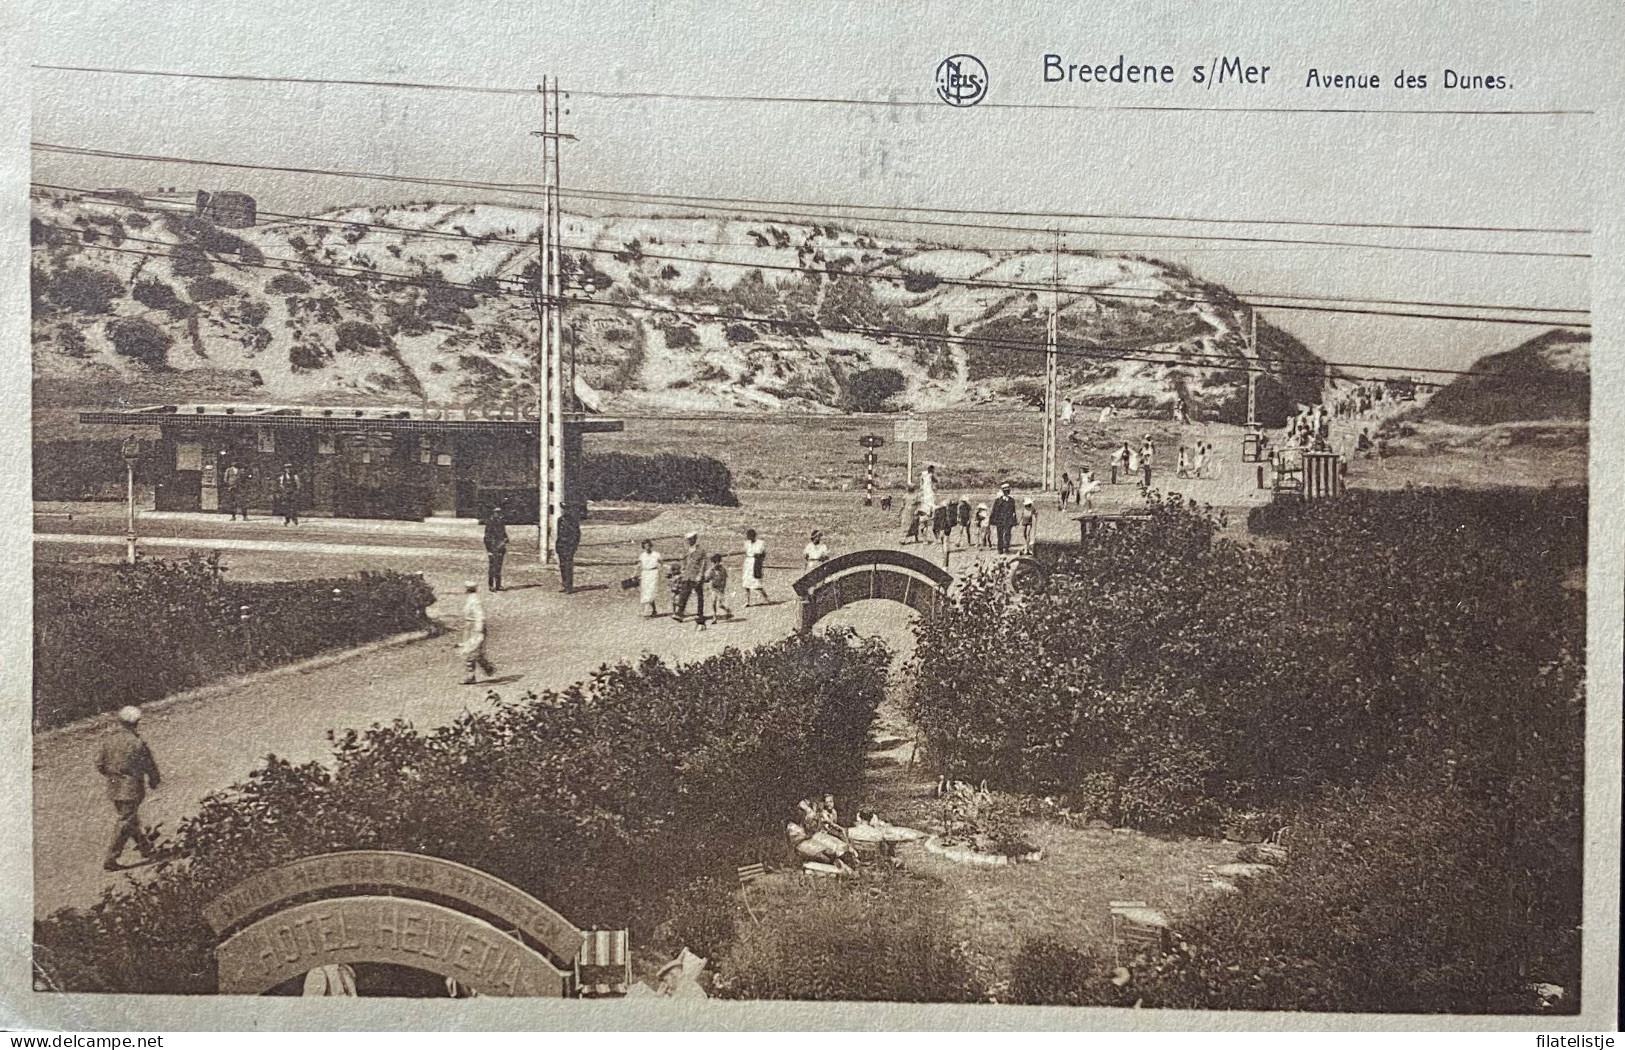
908,431
870,443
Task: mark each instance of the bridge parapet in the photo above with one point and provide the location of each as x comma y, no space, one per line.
881,573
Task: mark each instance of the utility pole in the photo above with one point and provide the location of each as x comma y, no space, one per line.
550,308
1252,370
1052,376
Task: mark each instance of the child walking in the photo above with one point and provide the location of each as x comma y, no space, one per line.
717,580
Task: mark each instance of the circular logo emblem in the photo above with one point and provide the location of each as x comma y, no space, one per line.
961,80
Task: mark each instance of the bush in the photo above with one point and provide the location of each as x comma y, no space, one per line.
140,340
158,295
679,336
1167,680
882,937
601,800
82,470
873,387
79,288
208,289
356,336
109,635
1050,973
287,284
1409,898
664,478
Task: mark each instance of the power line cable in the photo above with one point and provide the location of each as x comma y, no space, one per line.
1325,370
525,189
814,100
1098,292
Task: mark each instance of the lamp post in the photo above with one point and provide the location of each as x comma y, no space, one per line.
132,455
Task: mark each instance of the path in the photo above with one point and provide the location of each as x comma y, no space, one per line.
540,639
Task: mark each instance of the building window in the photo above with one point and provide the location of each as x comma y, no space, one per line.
267,439
326,444
188,455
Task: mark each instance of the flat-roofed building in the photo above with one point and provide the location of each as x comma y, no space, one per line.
408,463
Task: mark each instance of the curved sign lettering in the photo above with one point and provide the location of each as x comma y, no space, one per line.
405,871
388,930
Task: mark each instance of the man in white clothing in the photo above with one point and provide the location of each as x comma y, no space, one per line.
473,647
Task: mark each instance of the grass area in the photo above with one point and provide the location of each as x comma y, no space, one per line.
973,448
1066,896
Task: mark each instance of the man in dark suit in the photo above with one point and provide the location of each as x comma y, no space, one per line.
1002,516
127,764
496,547
565,544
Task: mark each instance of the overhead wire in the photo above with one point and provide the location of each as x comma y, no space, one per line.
1253,299
1324,370
721,204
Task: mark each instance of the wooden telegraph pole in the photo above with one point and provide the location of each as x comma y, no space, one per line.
1252,371
1052,377
550,309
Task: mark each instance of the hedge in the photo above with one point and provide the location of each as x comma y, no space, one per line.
661,478
94,470
108,635
1167,680
83,470
602,800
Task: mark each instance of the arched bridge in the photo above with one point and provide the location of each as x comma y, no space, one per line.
892,574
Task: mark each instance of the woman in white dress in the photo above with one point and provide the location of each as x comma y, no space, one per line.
1087,487
649,577
755,559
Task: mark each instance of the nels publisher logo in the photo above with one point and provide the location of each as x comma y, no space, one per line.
961,80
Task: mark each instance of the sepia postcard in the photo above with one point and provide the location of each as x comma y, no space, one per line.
812,516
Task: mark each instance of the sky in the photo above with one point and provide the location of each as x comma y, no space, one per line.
1093,155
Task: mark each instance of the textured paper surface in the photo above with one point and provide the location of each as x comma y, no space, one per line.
1550,155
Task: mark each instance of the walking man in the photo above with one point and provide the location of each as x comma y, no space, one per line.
692,581
473,647
287,494
127,764
1003,517
565,544
496,547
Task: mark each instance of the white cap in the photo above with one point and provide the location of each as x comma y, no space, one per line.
129,715
1028,501
691,535
470,587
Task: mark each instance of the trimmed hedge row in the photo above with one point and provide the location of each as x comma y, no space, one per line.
109,635
94,470
82,470
603,800
661,478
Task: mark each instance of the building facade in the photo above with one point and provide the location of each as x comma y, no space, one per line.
404,463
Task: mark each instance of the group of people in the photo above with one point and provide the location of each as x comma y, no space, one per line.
994,524
694,574
1130,462
286,491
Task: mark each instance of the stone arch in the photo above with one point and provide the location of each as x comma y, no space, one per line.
891,574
